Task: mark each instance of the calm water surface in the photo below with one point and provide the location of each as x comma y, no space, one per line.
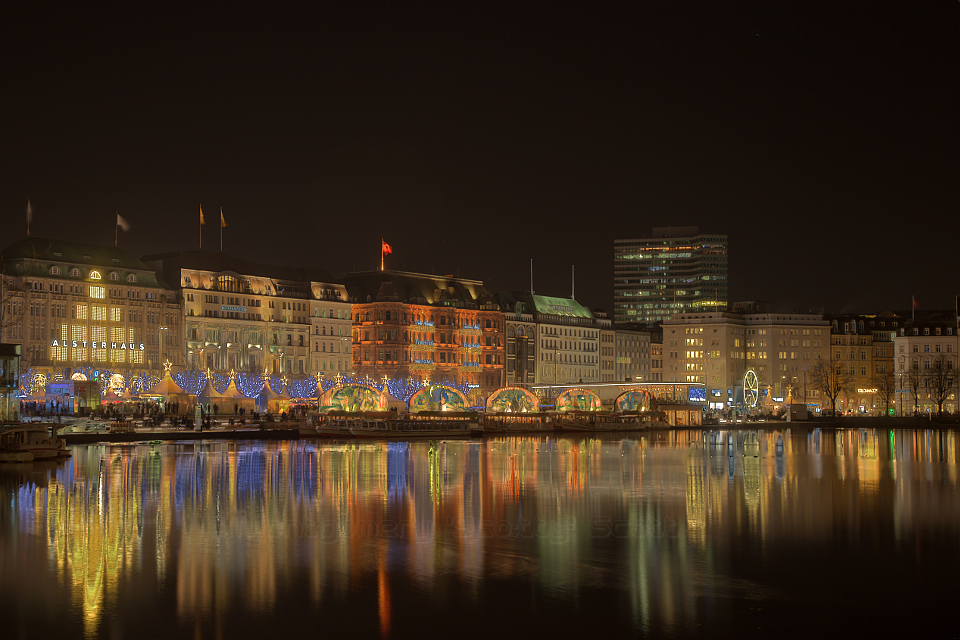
717,533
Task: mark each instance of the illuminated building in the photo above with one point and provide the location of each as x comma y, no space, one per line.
567,336
925,354
632,356
863,345
78,307
521,356
413,325
245,316
716,348
676,270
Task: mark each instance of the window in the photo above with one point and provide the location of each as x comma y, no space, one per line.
54,271
131,278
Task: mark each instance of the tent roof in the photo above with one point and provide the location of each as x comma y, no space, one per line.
210,392
166,387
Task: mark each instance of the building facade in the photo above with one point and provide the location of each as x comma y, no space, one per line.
244,316
633,356
567,337
426,327
521,354
716,349
676,270
79,309
863,347
925,365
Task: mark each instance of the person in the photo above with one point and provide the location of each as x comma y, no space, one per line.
235,407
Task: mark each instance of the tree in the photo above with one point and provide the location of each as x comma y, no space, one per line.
885,387
941,379
830,379
915,382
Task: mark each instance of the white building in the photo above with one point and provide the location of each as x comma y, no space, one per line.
921,349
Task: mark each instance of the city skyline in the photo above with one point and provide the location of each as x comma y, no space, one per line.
474,143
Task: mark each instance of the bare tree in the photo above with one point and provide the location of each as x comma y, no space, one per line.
830,379
885,387
941,379
915,383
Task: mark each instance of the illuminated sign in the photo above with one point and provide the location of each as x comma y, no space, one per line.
133,346
237,309
95,275
866,390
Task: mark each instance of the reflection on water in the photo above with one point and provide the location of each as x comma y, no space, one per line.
681,532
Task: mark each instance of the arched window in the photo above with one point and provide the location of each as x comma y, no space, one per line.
114,275
54,271
75,273
487,324
131,278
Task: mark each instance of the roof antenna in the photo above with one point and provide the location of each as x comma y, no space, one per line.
573,283
531,276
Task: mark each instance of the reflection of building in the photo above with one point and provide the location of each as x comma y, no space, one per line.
715,349
863,345
77,306
244,316
676,270
925,358
412,325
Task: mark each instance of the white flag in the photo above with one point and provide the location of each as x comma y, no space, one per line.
123,223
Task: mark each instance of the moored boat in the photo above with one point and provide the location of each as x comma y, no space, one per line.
36,439
399,428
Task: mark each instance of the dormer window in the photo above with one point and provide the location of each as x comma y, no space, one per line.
54,271
75,273
95,275
131,278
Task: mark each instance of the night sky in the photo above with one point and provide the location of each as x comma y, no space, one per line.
823,138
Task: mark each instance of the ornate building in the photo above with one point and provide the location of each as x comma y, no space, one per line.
244,316
79,308
412,325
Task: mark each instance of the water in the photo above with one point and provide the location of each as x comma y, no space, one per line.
681,534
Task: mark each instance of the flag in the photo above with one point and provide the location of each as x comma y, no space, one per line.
223,223
29,212
123,223
386,248
916,305
201,215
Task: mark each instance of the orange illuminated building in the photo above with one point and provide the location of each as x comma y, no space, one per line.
412,325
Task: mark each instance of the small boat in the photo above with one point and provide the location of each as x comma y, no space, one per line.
10,450
36,439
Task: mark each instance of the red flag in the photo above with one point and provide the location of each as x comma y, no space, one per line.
916,305
386,248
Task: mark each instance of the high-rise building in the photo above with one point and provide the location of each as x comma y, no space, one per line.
676,270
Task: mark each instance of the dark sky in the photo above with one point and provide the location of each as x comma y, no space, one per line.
823,138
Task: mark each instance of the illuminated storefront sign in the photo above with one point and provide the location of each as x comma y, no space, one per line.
866,390
237,309
133,346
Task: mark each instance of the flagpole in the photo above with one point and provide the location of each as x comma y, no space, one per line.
116,228
221,229
381,254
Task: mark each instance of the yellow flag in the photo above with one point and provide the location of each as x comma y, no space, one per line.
201,215
222,221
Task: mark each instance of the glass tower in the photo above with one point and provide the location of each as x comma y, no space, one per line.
676,270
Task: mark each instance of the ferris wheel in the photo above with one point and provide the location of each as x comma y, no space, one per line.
751,388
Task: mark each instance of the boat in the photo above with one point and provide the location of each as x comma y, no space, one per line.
10,450
36,439
410,428
516,423
329,429
612,423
